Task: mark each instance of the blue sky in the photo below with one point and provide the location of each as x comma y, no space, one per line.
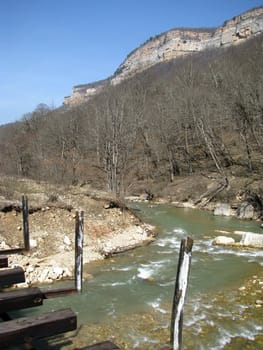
48,46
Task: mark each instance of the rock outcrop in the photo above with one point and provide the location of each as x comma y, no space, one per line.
173,44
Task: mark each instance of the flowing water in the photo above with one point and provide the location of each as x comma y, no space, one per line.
129,297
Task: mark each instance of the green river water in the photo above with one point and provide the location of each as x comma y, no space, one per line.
129,297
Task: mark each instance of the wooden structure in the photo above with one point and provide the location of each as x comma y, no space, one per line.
24,330
11,276
181,282
79,236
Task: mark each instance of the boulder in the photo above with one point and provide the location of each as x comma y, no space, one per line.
222,209
246,211
223,240
252,240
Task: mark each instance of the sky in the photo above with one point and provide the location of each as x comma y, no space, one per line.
48,46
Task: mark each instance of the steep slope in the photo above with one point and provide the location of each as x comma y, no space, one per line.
173,44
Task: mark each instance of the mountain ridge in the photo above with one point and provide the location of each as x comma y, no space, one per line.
172,44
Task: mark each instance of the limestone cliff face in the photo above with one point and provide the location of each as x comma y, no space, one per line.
173,44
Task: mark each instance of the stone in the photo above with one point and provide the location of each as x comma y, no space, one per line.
245,211
252,240
2,245
67,240
223,209
242,288
58,271
32,243
223,240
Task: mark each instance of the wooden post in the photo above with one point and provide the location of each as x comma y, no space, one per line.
25,223
79,236
180,293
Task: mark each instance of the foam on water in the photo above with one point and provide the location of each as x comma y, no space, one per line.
145,272
156,306
170,241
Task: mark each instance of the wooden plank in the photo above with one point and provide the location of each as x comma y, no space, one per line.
11,276
3,261
106,345
33,327
12,251
54,293
20,299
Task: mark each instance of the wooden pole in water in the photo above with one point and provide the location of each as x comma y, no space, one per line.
25,223
180,293
79,237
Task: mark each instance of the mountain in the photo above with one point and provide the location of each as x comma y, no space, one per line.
173,44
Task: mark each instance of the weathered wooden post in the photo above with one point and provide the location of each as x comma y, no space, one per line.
25,223
183,268
79,237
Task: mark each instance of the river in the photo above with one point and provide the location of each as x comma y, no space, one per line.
130,295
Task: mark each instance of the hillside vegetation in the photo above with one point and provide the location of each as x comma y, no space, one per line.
170,131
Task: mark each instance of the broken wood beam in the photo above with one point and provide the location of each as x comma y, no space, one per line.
11,276
20,299
20,330
3,261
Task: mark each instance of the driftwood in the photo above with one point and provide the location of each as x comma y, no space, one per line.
206,197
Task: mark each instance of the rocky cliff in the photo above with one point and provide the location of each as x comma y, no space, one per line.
173,44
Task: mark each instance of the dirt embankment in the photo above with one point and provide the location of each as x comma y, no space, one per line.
108,228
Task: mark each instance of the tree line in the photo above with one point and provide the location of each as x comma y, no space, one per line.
200,113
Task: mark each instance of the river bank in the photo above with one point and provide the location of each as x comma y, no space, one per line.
109,227
129,299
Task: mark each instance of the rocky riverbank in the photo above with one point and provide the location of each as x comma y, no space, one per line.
41,270
109,228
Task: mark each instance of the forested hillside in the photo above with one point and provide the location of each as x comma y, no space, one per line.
202,114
